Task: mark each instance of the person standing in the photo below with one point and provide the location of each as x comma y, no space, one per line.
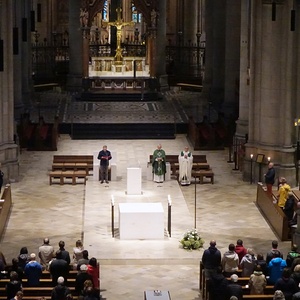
1,178
211,260
270,177
104,156
283,193
46,253
33,271
159,164
185,160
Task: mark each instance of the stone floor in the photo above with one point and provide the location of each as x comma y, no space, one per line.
224,211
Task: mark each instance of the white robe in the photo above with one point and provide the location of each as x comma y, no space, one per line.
185,160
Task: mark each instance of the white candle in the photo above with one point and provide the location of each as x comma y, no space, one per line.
112,200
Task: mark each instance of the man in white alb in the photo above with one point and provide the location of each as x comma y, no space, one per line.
185,160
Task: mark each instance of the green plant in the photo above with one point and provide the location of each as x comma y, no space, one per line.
191,240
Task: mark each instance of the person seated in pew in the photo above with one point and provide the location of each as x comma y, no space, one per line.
18,296
93,270
60,291
257,281
15,268
77,253
296,274
81,278
234,288
185,160
23,257
217,286
274,250
13,286
286,284
278,295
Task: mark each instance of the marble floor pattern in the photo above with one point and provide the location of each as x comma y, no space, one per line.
225,211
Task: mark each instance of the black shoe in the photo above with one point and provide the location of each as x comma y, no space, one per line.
106,181
102,181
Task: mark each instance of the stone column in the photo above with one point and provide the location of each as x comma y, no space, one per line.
74,82
272,87
232,56
190,12
160,59
244,79
8,149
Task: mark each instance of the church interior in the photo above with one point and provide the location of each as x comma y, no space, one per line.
131,74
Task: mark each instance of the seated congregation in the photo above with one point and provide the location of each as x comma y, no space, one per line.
243,274
51,274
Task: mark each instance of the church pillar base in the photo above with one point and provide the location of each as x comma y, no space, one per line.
9,162
74,83
163,83
283,159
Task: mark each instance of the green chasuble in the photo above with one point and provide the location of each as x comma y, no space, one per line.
159,162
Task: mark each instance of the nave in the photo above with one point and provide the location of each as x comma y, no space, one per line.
225,212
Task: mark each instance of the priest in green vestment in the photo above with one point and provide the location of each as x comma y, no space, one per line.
159,164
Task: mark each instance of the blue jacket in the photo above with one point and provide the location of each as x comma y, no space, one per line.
276,266
33,272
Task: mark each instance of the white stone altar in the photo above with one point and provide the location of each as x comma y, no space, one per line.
141,221
134,181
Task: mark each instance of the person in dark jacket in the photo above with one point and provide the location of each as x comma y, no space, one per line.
260,261
65,255
234,289
81,277
13,286
58,267
211,259
289,206
217,286
270,177
292,255
60,291
286,284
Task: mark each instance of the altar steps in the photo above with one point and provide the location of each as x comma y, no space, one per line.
118,96
122,131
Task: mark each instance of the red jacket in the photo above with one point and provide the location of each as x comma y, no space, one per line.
95,273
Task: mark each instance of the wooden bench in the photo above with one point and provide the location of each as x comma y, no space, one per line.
44,282
37,291
189,86
272,213
201,174
73,162
5,206
62,175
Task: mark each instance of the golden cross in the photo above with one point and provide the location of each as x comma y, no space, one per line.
119,24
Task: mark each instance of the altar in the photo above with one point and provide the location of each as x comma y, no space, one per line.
141,221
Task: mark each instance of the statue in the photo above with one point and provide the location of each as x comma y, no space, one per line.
154,18
84,17
119,24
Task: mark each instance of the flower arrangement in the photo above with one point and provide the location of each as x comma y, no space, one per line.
191,240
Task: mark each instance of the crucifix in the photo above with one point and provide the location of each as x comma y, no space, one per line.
119,24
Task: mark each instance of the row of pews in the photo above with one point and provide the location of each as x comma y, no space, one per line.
243,281
43,290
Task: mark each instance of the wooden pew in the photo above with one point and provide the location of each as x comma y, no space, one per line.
5,206
272,213
62,175
201,174
44,282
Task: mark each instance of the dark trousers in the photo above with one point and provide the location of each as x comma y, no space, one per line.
103,173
